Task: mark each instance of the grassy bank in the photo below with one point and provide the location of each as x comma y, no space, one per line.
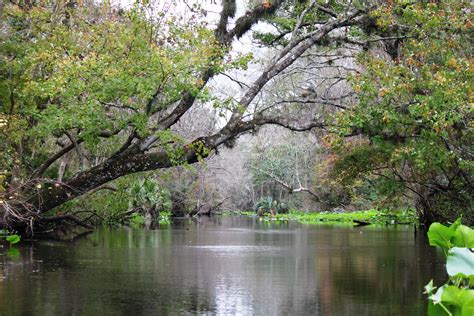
370,216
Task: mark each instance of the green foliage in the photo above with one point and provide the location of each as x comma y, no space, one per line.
285,19
133,192
456,235
11,238
416,111
64,77
94,74
382,217
456,297
165,218
146,193
137,220
268,205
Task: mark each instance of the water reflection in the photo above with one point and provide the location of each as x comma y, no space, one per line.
224,265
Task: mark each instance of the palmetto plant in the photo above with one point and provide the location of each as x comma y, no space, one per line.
147,195
267,204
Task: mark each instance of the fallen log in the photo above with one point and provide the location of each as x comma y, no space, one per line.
360,223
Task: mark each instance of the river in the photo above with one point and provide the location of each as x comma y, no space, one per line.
223,265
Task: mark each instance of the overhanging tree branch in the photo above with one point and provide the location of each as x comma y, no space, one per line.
280,64
242,25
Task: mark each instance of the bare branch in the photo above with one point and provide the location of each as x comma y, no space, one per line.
74,142
127,144
118,106
327,11
45,165
291,123
245,23
321,101
103,187
240,83
42,169
280,64
286,185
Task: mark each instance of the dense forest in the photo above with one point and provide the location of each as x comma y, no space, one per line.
109,110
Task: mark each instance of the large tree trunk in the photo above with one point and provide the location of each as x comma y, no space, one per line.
424,207
18,214
53,196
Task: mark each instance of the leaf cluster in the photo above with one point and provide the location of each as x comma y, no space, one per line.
87,70
456,297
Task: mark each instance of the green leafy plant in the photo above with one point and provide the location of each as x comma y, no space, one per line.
165,218
268,205
147,193
137,220
456,296
11,238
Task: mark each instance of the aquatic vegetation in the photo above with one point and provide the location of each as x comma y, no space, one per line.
456,296
370,216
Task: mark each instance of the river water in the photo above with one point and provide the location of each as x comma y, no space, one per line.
223,265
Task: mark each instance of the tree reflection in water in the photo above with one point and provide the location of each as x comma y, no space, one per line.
224,265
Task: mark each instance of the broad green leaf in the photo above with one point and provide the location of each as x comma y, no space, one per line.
460,261
440,235
468,308
464,237
13,239
455,296
435,310
461,300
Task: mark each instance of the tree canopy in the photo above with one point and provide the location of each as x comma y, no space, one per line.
416,111
90,93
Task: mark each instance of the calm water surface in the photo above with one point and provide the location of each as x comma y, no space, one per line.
223,265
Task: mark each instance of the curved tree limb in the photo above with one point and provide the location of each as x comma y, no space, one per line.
242,26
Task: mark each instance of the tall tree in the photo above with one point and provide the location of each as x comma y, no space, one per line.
110,85
415,108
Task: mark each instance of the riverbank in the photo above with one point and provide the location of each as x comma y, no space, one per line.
369,216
